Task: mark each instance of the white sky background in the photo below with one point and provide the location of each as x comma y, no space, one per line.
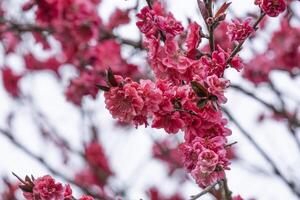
130,152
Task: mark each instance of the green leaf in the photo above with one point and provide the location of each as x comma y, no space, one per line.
111,78
201,103
200,90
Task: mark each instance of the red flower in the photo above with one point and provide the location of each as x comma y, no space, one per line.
124,103
45,188
239,31
11,82
86,197
273,7
94,154
193,38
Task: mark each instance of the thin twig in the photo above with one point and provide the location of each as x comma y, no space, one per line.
275,169
42,161
205,191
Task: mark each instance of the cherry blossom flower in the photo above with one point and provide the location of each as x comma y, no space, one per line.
11,81
273,7
193,38
239,31
46,188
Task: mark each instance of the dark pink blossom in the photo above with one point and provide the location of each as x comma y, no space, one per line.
94,154
171,122
86,197
68,192
119,17
237,198
193,38
124,102
85,84
46,188
239,31
273,7
11,81
155,194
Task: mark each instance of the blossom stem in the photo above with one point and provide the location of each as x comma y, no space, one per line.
226,193
210,27
205,191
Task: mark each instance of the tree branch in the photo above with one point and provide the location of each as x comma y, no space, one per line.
275,169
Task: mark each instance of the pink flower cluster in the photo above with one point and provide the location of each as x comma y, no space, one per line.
87,43
239,31
185,96
168,152
283,54
98,170
11,81
155,194
272,7
46,188
153,20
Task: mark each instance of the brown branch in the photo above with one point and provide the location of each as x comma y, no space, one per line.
205,191
226,193
42,161
210,27
275,169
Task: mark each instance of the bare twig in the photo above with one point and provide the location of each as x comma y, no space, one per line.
205,191
275,169
42,161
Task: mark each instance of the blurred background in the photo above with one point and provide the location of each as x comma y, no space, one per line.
44,117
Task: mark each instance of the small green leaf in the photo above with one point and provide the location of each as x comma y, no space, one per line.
201,103
200,90
111,78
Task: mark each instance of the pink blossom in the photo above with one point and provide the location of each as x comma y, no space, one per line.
217,86
94,154
171,122
119,17
146,24
216,64
33,64
193,38
86,197
207,161
273,7
206,179
239,31
124,102
82,86
155,194
169,24
11,81
167,151
45,188
68,192
237,198
10,41
257,69
152,96
152,20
